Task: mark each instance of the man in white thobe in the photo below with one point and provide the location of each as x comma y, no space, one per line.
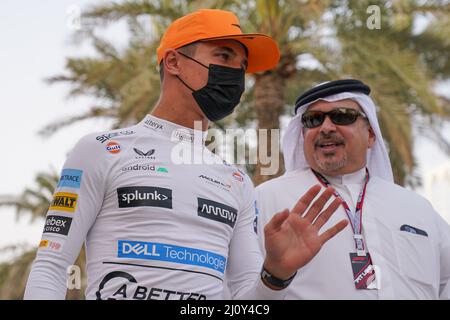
395,246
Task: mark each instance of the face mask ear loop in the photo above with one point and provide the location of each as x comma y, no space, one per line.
185,83
190,58
186,56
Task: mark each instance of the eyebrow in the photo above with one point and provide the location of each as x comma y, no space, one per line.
244,62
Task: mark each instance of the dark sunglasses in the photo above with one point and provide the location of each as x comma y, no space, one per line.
339,116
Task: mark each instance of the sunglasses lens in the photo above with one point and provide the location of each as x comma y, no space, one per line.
343,116
312,119
340,117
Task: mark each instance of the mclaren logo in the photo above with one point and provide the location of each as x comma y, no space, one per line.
215,182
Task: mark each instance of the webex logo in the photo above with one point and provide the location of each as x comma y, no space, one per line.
58,225
217,211
144,197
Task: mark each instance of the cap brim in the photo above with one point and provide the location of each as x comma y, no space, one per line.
263,52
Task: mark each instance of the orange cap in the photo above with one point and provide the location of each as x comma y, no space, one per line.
213,24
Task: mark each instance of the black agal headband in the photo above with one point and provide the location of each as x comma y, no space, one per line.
329,88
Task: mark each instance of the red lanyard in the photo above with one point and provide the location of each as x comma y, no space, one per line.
356,219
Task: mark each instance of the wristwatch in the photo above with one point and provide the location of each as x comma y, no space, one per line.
267,277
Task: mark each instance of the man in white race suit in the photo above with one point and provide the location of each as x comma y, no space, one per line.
396,246
157,226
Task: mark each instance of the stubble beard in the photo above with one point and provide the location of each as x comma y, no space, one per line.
330,166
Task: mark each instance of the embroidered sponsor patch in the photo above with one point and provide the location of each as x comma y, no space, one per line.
64,201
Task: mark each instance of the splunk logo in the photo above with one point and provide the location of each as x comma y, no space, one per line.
171,253
144,197
217,211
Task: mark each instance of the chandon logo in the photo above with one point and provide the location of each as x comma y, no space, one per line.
182,135
144,197
217,211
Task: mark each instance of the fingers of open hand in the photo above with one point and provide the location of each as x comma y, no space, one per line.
275,223
327,213
318,205
330,233
306,199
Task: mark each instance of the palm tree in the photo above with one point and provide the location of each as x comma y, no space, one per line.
14,275
289,27
333,33
401,78
394,62
34,201
105,77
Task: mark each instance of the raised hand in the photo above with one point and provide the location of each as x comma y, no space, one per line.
292,237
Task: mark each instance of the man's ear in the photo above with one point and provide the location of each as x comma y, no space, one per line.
372,137
171,62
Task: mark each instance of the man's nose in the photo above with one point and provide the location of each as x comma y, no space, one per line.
327,126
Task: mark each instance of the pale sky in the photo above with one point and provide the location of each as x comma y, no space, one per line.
34,42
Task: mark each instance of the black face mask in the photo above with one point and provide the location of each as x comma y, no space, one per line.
218,98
